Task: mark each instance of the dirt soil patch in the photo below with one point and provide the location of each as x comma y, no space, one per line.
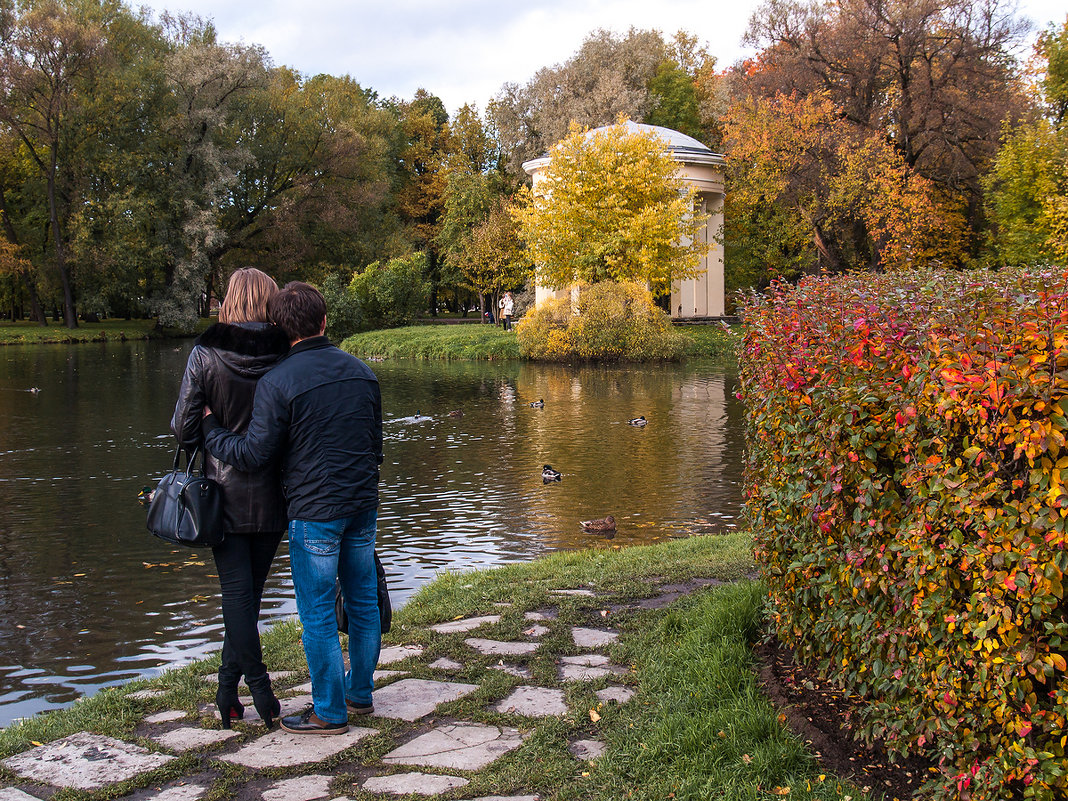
816,711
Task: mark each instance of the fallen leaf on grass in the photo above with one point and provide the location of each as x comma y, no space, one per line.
594,716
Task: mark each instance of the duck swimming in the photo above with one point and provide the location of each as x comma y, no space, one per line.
144,497
456,413
638,421
537,404
604,524
548,474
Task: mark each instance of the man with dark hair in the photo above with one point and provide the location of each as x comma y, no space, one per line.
319,412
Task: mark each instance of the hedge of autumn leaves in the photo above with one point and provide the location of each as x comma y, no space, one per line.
907,485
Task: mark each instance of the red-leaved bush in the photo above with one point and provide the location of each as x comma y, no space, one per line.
906,486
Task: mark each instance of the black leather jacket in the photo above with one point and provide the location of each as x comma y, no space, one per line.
223,369
320,410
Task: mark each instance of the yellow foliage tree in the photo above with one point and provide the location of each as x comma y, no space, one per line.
613,208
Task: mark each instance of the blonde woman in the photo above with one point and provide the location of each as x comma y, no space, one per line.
224,367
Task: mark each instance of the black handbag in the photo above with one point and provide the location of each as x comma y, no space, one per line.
186,507
385,608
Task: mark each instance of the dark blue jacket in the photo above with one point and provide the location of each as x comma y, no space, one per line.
319,411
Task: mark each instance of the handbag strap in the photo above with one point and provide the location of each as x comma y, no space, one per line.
191,461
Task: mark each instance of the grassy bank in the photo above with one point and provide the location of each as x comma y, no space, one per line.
435,342
697,728
491,343
24,333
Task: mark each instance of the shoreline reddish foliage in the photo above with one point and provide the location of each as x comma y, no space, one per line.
906,447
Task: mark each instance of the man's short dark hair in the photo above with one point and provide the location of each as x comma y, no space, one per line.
298,309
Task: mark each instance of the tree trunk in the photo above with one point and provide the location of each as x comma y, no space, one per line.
70,317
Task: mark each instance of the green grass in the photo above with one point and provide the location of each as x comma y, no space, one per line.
475,341
25,333
490,342
697,728
712,341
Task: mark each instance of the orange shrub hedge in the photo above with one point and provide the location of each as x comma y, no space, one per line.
907,486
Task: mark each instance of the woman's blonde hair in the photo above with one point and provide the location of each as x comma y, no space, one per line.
246,298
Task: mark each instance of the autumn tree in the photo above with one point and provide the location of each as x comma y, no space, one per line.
493,258
48,57
612,207
935,78
808,190
1027,187
420,195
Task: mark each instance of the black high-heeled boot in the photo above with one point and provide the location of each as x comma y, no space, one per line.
229,705
263,698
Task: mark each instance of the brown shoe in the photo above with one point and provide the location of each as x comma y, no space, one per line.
359,709
307,722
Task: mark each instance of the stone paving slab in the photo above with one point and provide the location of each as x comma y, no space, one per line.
147,695
584,673
587,667
587,750
615,693
85,761
498,648
536,631
395,653
302,788
13,794
454,626
534,702
588,660
188,738
582,593
512,670
541,615
411,699
408,783
281,749
461,746
180,792
166,717
445,664
593,638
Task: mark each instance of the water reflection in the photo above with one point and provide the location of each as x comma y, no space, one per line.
90,599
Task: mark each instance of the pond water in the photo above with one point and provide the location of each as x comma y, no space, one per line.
89,599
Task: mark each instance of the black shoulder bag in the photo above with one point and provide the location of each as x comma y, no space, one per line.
385,608
186,507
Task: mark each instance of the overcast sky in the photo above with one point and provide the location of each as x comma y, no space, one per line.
464,50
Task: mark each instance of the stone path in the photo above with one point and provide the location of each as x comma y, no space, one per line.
414,743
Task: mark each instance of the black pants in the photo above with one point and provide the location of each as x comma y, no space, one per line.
243,562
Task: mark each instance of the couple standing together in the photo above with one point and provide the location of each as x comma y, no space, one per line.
293,427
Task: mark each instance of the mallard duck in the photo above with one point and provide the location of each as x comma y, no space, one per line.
548,474
638,421
144,497
537,404
607,523
456,413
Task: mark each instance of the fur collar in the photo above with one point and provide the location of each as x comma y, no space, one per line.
261,340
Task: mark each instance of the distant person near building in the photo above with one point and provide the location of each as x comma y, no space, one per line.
507,306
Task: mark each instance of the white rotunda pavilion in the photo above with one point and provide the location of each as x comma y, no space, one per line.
702,169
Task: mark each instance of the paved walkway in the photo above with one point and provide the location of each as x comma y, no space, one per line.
409,746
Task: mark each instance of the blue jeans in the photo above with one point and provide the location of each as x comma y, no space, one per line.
319,553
